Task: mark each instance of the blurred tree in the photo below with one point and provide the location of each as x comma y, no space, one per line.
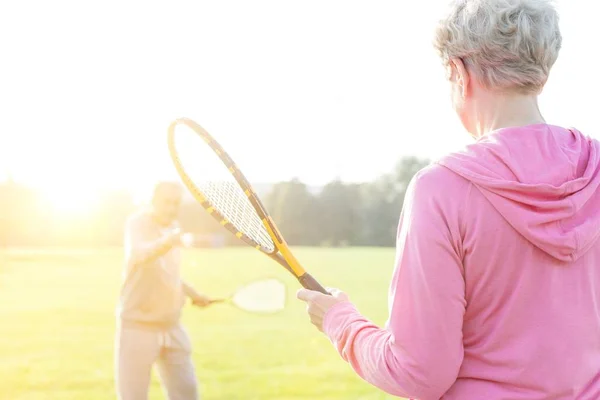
7,209
383,200
340,214
340,208
113,211
379,213
295,212
20,217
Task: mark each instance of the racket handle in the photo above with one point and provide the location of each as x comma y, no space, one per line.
310,283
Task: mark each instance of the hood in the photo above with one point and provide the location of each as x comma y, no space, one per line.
545,182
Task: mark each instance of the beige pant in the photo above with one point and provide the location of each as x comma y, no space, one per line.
136,352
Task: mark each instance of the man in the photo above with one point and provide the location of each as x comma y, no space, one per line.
152,296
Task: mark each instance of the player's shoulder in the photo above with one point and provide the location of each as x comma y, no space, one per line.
435,180
138,219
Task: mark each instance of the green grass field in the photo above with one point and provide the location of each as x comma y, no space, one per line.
57,329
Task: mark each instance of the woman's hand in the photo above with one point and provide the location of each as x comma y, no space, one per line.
318,303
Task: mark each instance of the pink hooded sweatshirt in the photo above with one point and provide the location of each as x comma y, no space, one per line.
496,291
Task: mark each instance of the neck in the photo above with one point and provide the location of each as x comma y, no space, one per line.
496,111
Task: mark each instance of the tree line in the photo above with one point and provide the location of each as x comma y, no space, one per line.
338,214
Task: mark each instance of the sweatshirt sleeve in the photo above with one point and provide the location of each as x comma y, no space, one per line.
140,246
419,352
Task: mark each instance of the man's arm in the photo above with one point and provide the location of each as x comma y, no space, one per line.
198,299
141,249
188,290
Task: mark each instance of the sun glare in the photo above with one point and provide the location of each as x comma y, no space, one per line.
69,201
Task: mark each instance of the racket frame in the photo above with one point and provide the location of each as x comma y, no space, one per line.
281,251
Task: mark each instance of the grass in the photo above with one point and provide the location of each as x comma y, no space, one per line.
58,324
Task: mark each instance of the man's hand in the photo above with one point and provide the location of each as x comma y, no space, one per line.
179,238
198,299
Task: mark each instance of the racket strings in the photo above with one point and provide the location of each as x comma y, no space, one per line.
264,296
217,185
231,201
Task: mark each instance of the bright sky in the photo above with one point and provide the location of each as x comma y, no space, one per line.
330,88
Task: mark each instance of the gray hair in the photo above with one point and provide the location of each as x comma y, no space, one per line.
508,45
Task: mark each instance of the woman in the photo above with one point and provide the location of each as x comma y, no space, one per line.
496,291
